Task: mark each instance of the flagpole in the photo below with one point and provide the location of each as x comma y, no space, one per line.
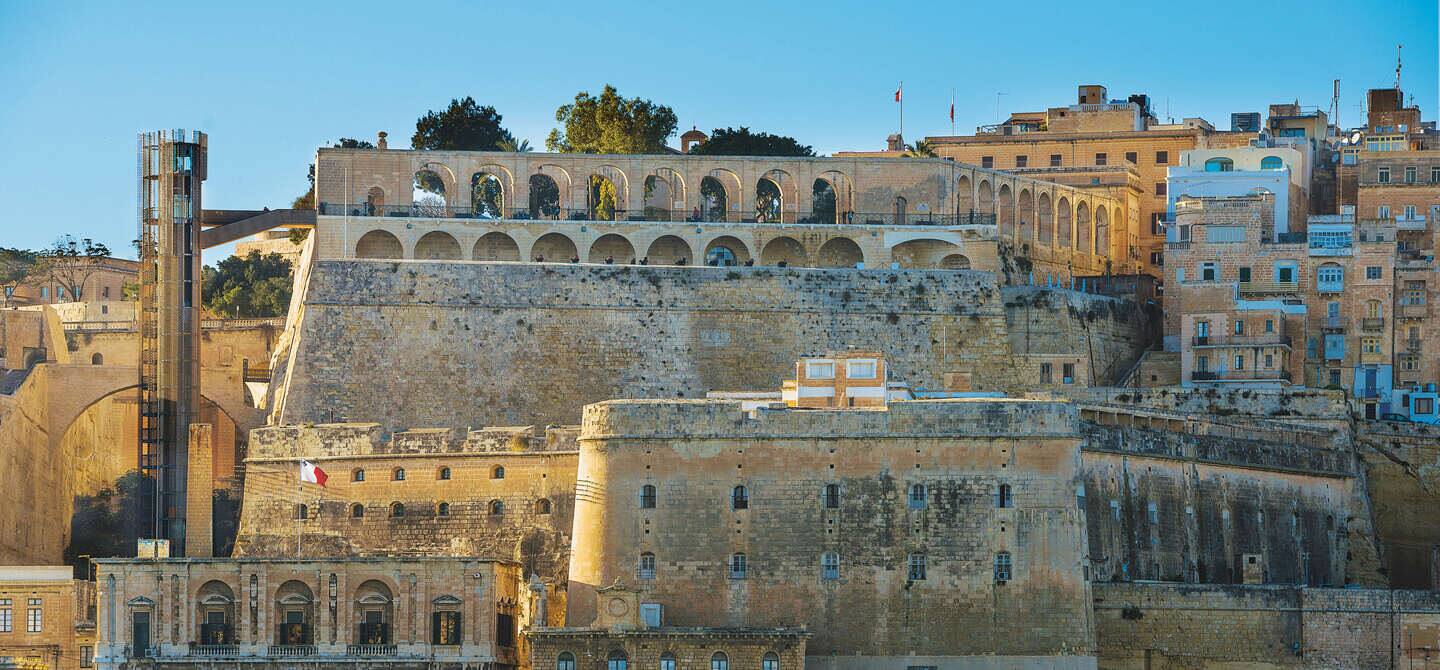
901,97
952,112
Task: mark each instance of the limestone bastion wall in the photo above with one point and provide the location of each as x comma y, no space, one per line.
463,344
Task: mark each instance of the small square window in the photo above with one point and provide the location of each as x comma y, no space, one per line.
1161,188
1055,161
987,161
1022,161
1101,159
1373,272
1162,158
1132,157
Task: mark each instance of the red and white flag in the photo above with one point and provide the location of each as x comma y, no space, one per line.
309,472
952,107
898,90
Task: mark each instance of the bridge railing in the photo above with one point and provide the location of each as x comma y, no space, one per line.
891,218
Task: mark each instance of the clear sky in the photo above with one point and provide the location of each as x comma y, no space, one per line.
271,81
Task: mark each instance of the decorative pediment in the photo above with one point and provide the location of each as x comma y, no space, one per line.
373,599
294,599
140,601
447,600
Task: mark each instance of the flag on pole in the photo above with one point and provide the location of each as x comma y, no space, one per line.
898,90
309,472
952,107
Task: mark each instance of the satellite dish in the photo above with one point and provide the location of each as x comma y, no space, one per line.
1355,139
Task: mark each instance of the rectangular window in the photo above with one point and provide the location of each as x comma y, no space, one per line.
1370,345
1239,362
860,369
820,370
1269,325
1285,274
1239,327
987,161
830,566
1244,274
1209,271
1002,567
1410,175
1067,373
1382,212
445,628
6,624
1435,175
1054,160
1269,361
1115,510
647,566
1022,161
1334,348
87,656
1132,158
832,496
1383,175
44,292
1160,188
1424,406
34,617
105,291
1153,512
738,567
1045,373
1100,159
1157,223
1410,214
916,567
1162,158
1372,272
1202,363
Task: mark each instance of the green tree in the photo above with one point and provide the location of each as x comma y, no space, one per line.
248,288
70,263
107,524
611,124
463,126
307,200
920,149
743,142
510,145
16,266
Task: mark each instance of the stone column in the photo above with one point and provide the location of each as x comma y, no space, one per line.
199,490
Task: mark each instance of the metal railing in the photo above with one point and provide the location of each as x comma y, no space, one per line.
1268,287
1271,339
1372,323
968,218
1334,322
1240,375
1411,311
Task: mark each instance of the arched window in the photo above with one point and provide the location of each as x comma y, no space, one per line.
738,567
302,512
97,359
1002,567
357,475
739,498
1272,163
542,506
357,511
667,661
497,508
443,474
1002,497
917,496
771,661
498,472
832,496
398,474
1219,165
565,661
396,509
617,661
719,661
647,497
719,256
646,568
443,509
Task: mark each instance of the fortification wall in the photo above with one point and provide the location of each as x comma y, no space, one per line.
503,343
1402,468
695,452
1163,627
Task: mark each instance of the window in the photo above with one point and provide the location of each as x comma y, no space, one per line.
1410,175
832,496
667,661
737,566
1022,161
498,472
1244,274
397,510
1115,509
1045,373
6,624
1269,325
1002,497
916,565
1285,274
1383,175
398,475
1160,188
819,370
357,475
1272,163
1002,567
1153,512
830,566
1410,213
357,511
771,661
1080,497
917,496
1370,345
87,656
860,369
1219,165
646,569
1435,175
1372,272
302,512
443,509
647,496
719,661
497,508
1162,158
1269,361
617,660
444,474
445,628
1424,406
739,498
565,661
105,290
1382,212
1100,159
1132,158
1209,271
1054,160
44,292
1239,327
34,616
1239,362
1067,373
1335,377
987,161
1330,278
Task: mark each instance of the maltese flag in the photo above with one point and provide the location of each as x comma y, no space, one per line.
309,472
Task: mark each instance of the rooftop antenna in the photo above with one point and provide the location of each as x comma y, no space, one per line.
1335,104
1398,49
997,106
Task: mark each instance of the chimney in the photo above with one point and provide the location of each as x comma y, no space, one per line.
380,142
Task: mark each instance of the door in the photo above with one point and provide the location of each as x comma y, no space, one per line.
140,633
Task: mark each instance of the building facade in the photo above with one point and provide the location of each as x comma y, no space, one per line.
47,618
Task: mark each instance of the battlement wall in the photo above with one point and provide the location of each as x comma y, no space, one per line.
344,440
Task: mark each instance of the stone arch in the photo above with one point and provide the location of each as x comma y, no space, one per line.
669,250
822,202
785,249
1025,217
844,189
839,252
922,253
1005,212
596,193
496,246
738,251
964,195
1044,220
769,201
553,248
612,246
488,195
295,596
985,197
379,244
568,203
731,192
658,197
212,598
1064,224
789,193
544,197
1102,231
97,359
955,262
430,190
437,245
1083,236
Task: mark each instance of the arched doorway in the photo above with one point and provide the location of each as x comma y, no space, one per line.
544,197
658,197
428,194
612,247
1083,236
964,197
487,196
901,208
713,201
1026,221
822,202
496,246
986,197
1005,216
603,198
669,250
1102,231
840,252
725,251
379,244
1045,221
553,248
1064,226
769,203
783,249
437,245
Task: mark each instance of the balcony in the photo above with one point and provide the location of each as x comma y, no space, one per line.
1333,323
1265,340
1372,324
1264,287
585,215
1373,358
215,650
371,650
1414,311
290,650
1413,222
1414,344
1240,376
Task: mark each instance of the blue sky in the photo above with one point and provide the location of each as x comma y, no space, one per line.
271,81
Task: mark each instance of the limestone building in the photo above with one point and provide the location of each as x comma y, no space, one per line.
402,613
47,618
